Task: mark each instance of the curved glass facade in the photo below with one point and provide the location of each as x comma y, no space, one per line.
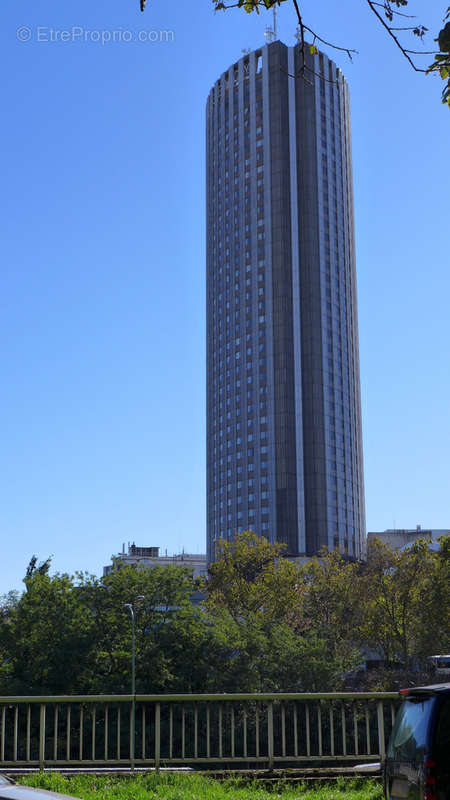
284,444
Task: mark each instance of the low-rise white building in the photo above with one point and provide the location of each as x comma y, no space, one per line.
397,538
149,557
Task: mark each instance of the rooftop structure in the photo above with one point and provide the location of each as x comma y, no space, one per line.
149,557
398,538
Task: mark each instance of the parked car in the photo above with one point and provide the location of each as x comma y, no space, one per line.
440,665
10,790
417,765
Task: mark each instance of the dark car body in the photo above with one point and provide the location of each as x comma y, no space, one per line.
417,765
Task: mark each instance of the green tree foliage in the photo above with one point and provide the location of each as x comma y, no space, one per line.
406,602
286,615
35,568
45,637
441,63
333,606
163,590
72,633
266,624
252,577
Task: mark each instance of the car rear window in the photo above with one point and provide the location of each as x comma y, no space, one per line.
409,737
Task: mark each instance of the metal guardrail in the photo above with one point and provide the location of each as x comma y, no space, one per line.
224,729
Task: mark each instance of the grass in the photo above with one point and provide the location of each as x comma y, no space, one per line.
173,786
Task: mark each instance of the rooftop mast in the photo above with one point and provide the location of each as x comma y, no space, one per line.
271,33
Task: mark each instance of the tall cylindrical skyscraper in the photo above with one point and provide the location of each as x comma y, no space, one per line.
284,441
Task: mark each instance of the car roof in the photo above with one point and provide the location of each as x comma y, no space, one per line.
13,791
436,688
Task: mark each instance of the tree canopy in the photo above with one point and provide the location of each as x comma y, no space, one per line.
265,623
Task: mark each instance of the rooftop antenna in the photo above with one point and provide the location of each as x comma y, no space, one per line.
271,33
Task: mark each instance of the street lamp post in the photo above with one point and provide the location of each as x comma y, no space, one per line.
129,607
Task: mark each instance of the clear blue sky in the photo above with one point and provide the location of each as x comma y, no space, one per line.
103,298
